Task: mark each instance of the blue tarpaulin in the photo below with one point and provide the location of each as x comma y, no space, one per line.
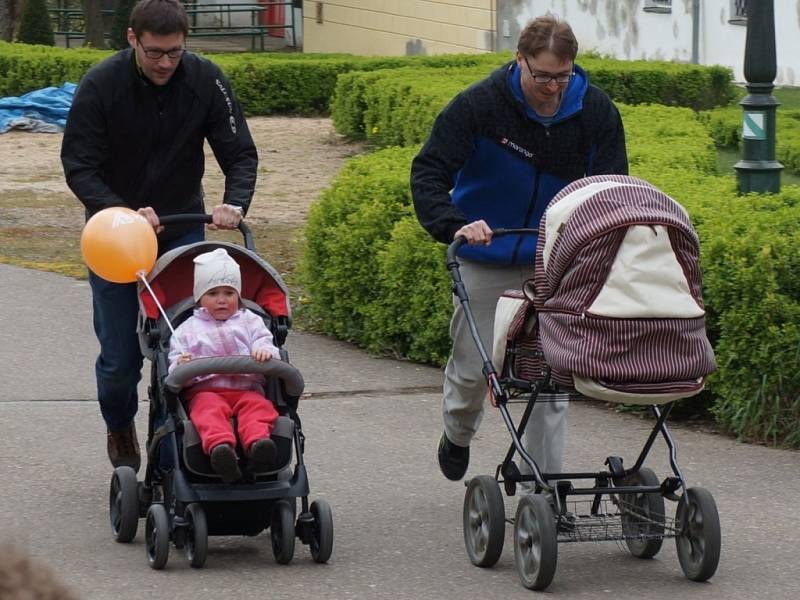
42,110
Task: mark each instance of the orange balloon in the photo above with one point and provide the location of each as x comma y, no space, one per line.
118,243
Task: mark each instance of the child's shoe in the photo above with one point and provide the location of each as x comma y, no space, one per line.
223,461
262,455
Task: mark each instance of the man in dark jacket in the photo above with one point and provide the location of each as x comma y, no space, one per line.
134,138
497,155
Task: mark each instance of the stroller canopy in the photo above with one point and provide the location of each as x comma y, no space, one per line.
172,279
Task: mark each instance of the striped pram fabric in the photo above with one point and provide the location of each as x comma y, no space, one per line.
618,293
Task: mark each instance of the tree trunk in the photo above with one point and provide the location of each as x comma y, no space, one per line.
93,24
9,19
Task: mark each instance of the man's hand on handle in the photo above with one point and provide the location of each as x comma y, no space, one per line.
477,232
148,213
226,216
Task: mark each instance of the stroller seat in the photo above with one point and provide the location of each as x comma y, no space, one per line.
199,463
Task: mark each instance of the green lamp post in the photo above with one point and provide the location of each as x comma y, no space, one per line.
758,171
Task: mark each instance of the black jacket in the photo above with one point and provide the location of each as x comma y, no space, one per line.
129,142
488,157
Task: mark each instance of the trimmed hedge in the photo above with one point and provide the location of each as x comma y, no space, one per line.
267,83
305,83
366,105
382,282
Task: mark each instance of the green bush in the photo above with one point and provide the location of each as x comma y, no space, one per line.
34,26
346,229
410,314
751,261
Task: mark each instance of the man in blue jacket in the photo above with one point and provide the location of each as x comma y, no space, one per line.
496,156
134,137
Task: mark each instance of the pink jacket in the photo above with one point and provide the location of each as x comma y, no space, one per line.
202,336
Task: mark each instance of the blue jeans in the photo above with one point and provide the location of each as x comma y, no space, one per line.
119,365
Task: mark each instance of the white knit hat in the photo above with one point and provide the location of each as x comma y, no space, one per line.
214,269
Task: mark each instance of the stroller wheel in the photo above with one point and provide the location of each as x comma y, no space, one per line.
282,532
123,504
484,521
698,537
643,516
156,536
196,547
322,542
535,542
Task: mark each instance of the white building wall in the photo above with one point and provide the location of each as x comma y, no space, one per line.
623,29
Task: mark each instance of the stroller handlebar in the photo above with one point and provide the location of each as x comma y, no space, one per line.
247,234
184,373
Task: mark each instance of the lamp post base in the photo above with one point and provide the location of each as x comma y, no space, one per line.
761,176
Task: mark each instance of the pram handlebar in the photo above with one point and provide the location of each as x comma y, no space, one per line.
460,290
489,371
247,235
291,377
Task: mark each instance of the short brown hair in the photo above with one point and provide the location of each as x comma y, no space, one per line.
548,33
159,17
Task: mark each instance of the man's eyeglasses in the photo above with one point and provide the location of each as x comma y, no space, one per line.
158,53
561,78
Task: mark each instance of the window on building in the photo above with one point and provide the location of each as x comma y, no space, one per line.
658,6
738,13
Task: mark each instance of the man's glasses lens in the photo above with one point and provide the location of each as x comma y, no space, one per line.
156,54
562,78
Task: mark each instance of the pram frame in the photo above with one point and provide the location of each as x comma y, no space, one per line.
502,389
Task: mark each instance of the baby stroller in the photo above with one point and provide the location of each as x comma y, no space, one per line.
616,288
182,499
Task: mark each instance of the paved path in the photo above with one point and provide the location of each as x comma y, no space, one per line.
372,425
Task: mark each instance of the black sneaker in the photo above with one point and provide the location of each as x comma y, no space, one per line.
453,459
223,461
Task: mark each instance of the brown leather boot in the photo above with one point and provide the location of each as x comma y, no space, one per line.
123,448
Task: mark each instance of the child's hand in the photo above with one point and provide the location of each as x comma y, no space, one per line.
184,358
262,355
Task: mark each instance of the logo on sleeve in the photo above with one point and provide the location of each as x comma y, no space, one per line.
516,148
231,118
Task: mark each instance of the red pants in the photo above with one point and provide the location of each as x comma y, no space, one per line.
211,412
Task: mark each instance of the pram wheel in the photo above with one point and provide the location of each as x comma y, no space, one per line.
484,521
322,542
123,504
156,536
535,542
642,516
698,537
196,547
282,532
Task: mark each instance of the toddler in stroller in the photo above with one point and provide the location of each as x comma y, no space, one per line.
253,484
221,327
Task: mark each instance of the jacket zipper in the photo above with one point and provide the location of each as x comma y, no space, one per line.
528,214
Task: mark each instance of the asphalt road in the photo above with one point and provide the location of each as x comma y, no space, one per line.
372,426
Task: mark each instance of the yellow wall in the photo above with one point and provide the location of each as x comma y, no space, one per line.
399,27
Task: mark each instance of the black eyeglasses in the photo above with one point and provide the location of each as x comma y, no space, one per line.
157,53
561,78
